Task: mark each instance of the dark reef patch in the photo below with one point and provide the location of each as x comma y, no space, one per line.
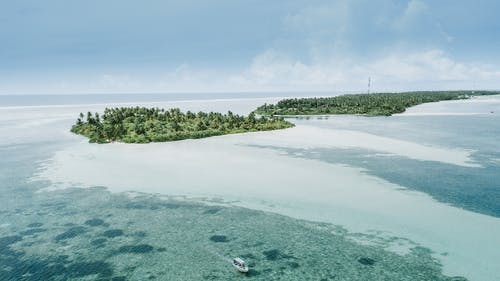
272,255
366,261
119,278
6,241
135,249
94,222
61,259
211,211
70,233
17,266
219,238
35,224
99,242
113,233
275,254
252,272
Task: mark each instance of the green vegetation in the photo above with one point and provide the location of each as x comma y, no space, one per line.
368,104
143,125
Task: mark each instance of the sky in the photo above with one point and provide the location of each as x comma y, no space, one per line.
149,46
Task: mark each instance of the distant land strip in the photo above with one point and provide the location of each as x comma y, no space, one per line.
145,125
377,104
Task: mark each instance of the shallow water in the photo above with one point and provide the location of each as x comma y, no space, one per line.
381,212
91,234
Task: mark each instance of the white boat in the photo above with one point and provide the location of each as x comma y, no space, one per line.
240,265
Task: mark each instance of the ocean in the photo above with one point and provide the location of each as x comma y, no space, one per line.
414,196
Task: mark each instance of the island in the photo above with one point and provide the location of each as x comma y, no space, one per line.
144,125
376,104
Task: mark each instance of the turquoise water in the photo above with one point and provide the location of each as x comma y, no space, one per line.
91,234
472,188
79,233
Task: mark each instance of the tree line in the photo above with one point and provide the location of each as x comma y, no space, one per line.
376,104
143,125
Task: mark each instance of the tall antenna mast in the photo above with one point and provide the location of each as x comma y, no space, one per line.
369,84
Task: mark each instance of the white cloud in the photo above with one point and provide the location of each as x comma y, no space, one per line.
429,69
335,45
274,71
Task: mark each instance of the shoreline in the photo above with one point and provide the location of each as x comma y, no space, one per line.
474,98
339,194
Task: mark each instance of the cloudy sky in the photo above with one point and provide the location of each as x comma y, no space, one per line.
95,46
